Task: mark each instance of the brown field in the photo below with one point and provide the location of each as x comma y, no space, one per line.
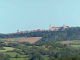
66,42
22,39
30,39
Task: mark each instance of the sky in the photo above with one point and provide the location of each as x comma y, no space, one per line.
38,14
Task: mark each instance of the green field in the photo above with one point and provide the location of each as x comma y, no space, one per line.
19,58
7,49
12,54
11,39
75,45
76,41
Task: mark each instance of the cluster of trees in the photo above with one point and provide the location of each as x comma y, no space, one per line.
68,34
66,58
4,57
36,50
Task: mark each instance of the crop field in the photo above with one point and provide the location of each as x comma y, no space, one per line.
21,39
68,42
30,39
12,39
74,43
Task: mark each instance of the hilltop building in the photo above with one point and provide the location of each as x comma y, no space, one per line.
18,31
57,28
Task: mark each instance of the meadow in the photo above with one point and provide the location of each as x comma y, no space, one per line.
7,49
20,57
74,43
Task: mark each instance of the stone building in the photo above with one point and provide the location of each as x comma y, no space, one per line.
57,28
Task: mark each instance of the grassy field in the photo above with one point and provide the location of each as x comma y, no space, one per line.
75,45
19,58
12,54
12,39
7,49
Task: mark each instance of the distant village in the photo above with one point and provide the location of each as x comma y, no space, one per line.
52,28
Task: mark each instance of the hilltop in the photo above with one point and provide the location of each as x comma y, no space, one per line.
68,34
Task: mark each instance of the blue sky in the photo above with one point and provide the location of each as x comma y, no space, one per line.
37,14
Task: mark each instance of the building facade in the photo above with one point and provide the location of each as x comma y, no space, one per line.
57,28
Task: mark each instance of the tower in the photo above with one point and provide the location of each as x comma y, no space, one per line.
50,26
18,31
64,26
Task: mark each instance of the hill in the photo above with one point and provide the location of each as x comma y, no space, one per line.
68,34
20,39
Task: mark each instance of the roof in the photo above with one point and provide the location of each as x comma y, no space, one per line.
67,26
56,27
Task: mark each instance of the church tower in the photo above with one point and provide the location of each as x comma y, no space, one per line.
18,31
64,26
50,26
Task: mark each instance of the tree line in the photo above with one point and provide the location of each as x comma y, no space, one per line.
68,34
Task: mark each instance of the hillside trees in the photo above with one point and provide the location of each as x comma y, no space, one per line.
68,34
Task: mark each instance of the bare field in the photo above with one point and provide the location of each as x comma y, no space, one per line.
22,39
66,42
13,39
30,39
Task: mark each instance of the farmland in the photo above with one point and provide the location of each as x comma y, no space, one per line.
74,43
7,49
21,39
44,51
30,39
70,42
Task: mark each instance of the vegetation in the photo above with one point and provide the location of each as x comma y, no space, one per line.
68,34
66,58
38,51
46,48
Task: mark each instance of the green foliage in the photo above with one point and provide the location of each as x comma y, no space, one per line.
66,58
36,56
4,57
72,33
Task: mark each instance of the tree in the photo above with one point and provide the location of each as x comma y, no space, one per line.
16,56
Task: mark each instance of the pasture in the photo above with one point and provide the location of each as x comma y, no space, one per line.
19,58
7,49
13,54
75,46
